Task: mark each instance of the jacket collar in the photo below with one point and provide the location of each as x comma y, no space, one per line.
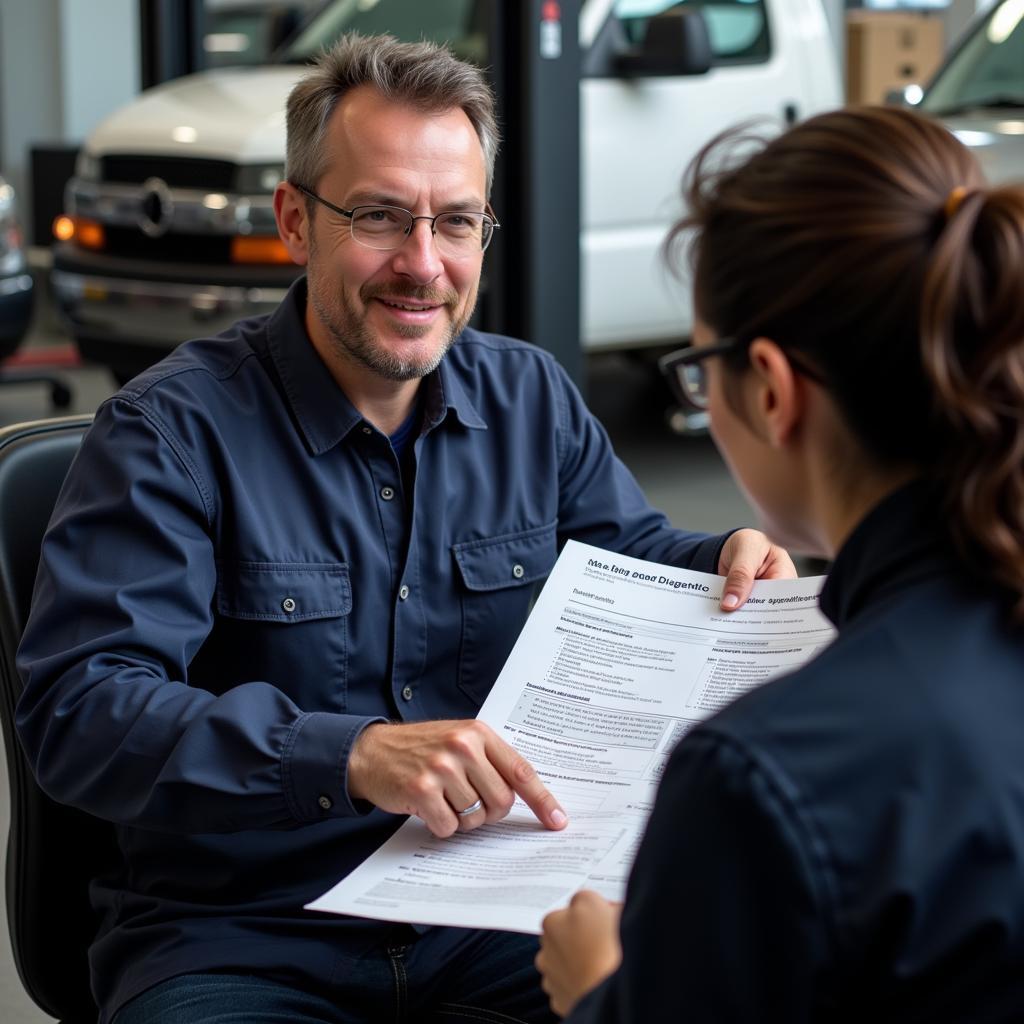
901,541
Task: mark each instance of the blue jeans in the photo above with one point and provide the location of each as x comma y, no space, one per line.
446,976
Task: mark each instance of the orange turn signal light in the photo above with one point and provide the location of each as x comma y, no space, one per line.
258,249
87,233
63,228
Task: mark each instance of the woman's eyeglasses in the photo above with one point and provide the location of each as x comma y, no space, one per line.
688,378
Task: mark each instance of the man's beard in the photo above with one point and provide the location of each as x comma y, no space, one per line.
353,339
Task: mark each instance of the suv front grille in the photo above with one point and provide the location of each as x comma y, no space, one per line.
177,172
174,248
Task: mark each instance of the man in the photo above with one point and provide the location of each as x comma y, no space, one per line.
287,566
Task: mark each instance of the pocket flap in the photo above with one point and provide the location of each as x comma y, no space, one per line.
283,591
511,560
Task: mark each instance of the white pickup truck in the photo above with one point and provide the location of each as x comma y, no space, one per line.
170,232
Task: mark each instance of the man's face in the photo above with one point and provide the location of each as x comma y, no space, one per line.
397,312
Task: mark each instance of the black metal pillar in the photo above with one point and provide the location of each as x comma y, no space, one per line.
171,39
533,276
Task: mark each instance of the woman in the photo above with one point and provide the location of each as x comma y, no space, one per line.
847,843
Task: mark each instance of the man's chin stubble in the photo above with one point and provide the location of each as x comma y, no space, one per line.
353,341
361,347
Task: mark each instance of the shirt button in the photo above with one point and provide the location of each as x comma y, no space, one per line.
403,592
518,571
288,604
325,802
387,493
406,693
367,430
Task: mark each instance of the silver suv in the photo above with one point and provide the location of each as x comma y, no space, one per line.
15,280
979,91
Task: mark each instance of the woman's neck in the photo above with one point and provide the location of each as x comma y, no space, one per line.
842,505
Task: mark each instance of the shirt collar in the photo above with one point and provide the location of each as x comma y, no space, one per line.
452,396
899,542
321,408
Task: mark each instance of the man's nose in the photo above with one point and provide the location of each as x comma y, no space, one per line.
418,256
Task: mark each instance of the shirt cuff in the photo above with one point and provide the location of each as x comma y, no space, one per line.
315,766
709,553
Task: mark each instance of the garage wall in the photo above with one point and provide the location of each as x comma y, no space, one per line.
30,94
64,64
100,50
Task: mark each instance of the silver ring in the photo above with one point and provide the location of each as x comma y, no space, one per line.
471,809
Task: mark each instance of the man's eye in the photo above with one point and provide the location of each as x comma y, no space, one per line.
459,225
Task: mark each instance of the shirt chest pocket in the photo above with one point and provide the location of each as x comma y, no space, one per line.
498,578
285,623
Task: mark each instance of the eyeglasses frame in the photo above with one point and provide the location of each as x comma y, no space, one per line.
488,212
671,363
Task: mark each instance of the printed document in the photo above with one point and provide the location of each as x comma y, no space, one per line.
619,658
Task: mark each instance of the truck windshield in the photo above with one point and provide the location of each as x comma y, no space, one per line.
987,72
462,24
737,29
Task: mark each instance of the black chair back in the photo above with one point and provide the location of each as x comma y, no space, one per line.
53,851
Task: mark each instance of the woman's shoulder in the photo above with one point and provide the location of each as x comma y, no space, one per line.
898,741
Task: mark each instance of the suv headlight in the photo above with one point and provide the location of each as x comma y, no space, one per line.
258,178
87,166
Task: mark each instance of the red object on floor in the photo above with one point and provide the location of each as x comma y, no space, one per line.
46,355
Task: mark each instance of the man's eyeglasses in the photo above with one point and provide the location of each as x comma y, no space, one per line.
687,375
459,235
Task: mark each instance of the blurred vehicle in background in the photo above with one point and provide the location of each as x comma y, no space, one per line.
16,293
978,93
249,31
15,280
169,229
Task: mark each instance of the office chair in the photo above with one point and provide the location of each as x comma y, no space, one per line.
52,851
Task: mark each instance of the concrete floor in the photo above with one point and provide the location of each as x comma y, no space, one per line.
682,476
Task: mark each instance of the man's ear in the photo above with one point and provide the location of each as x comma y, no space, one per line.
780,399
292,221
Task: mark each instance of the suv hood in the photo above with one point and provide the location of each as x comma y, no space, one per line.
232,114
996,138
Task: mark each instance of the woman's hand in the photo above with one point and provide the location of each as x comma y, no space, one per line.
579,948
749,555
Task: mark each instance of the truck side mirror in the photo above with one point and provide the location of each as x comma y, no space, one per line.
676,42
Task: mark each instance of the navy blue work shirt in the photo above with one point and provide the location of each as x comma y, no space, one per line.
847,843
236,582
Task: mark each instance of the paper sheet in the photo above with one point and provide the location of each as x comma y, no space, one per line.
619,658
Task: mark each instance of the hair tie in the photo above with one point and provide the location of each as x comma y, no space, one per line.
954,199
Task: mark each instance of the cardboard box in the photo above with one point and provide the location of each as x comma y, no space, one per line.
888,50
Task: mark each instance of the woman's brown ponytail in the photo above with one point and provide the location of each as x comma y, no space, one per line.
867,240
972,347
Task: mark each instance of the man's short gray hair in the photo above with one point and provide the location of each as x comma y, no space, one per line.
424,75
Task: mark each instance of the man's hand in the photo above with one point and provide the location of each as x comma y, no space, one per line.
749,555
435,769
579,948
